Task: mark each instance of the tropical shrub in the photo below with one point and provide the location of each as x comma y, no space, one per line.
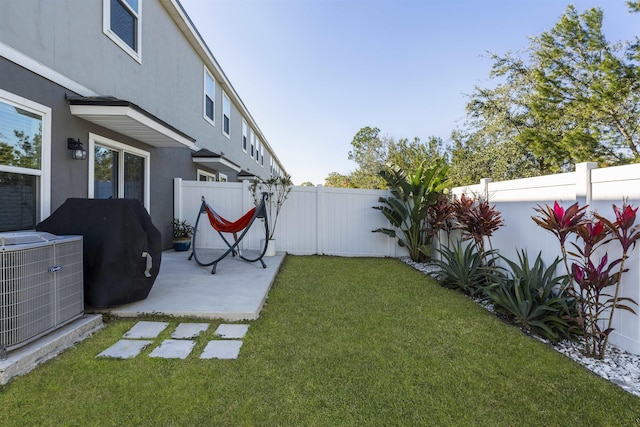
440,217
477,220
463,268
407,207
534,297
590,273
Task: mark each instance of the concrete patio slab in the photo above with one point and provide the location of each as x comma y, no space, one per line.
232,331
228,349
146,330
125,349
189,330
173,349
237,291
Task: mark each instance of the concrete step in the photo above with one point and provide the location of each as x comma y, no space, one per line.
24,359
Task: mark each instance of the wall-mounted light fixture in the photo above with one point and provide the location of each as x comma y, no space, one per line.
77,150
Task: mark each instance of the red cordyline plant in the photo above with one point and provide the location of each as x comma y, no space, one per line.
477,220
440,217
589,277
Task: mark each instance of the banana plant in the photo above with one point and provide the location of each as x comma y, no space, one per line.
407,207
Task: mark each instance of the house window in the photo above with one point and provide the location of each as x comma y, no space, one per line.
25,151
226,115
258,151
262,156
222,177
205,176
244,135
117,171
122,24
209,97
252,137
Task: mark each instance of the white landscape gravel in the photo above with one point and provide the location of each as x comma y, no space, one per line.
619,366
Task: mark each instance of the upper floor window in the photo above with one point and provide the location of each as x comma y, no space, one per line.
209,97
226,114
262,156
258,150
122,24
25,182
253,142
244,135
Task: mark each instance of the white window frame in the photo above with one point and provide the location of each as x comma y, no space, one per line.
201,172
223,177
262,156
211,120
121,149
226,112
244,142
44,173
106,29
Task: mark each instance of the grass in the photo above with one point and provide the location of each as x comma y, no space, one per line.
341,341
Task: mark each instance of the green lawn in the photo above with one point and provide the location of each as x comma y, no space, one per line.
341,341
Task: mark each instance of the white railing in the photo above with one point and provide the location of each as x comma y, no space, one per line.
331,221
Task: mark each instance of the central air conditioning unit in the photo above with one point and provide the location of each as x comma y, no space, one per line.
41,285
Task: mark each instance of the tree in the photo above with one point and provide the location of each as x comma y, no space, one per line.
589,87
371,151
307,184
574,97
410,155
337,180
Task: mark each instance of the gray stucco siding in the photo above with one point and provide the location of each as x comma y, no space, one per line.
69,178
169,82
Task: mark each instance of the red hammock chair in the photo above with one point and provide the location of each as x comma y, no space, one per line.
225,226
222,225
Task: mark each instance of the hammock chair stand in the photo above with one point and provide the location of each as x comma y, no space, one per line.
222,225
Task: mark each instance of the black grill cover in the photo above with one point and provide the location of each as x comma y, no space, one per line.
116,233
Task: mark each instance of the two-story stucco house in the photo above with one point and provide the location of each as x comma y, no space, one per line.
114,98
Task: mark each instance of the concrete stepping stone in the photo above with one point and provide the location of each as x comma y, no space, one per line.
173,349
218,349
125,349
145,329
189,330
232,331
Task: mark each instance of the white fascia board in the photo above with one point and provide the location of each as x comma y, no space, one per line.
215,160
87,111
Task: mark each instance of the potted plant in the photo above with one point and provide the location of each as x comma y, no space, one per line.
182,232
278,189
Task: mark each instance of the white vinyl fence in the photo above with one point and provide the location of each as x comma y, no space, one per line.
331,221
313,220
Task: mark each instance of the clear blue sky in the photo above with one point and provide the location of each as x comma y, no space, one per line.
314,72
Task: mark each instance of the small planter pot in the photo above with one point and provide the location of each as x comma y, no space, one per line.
181,245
